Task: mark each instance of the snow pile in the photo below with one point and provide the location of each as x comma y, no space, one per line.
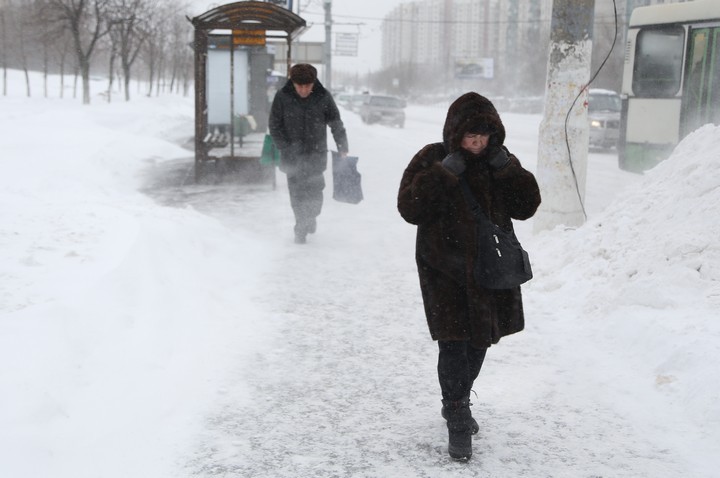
644,276
117,324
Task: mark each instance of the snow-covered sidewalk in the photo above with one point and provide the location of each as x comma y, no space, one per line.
345,385
156,328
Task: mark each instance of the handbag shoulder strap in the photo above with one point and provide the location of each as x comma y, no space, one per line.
474,206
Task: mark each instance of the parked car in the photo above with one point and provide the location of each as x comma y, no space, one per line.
344,99
604,107
383,109
357,100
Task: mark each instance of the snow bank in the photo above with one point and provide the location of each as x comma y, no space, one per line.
643,278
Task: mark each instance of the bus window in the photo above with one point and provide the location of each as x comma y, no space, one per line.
714,106
658,62
695,82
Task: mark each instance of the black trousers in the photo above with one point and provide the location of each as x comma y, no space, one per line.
306,198
459,364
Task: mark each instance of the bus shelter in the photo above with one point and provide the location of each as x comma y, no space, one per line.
233,75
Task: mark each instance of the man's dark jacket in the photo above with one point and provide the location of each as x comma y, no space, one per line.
298,127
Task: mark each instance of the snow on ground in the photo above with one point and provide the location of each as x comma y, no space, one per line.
152,327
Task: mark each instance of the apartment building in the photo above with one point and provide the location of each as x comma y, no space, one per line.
454,34
511,37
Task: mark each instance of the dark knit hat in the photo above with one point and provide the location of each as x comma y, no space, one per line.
303,74
472,113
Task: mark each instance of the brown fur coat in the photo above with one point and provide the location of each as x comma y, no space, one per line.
457,308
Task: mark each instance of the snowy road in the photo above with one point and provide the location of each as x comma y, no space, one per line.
344,385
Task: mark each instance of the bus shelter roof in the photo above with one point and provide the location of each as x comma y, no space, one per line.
251,15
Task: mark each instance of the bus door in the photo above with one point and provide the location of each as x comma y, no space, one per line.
701,95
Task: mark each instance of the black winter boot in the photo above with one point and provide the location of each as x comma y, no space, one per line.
300,238
474,427
301,232
459,430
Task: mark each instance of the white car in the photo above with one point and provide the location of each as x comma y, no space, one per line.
604,108
383,109
344,100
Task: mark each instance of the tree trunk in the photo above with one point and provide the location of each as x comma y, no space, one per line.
75,82
63,56
111,75
172,76
23,57
45,68
151,79
126,65
85,70
127,87
62,78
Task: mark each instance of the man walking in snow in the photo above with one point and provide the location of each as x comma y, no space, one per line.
300,114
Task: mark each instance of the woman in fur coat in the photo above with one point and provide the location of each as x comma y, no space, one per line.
464,318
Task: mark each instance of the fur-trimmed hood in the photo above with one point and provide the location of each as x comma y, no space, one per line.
469,112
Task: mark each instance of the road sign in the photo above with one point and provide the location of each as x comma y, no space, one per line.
346,44
248,37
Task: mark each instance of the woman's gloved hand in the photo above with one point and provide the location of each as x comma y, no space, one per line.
497,159
455,163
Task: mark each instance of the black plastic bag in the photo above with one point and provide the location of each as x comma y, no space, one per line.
347,186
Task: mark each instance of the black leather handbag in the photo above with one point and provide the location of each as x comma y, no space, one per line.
500,262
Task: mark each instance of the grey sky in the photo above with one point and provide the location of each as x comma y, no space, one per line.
351,16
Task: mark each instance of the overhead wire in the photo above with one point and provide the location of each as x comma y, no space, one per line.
567,117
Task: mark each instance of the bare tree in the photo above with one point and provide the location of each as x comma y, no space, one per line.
49,33
159,42
20,33
14,20
114,42
60,36
85,19
152,49
45,63
62,47
129,19
181,53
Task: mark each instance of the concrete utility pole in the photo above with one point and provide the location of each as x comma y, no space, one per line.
562,183
327,80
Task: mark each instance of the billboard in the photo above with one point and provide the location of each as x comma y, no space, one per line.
474,69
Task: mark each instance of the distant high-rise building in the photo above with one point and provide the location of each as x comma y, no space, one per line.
512,34
447,33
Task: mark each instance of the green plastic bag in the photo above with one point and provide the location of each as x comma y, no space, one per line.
270,154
